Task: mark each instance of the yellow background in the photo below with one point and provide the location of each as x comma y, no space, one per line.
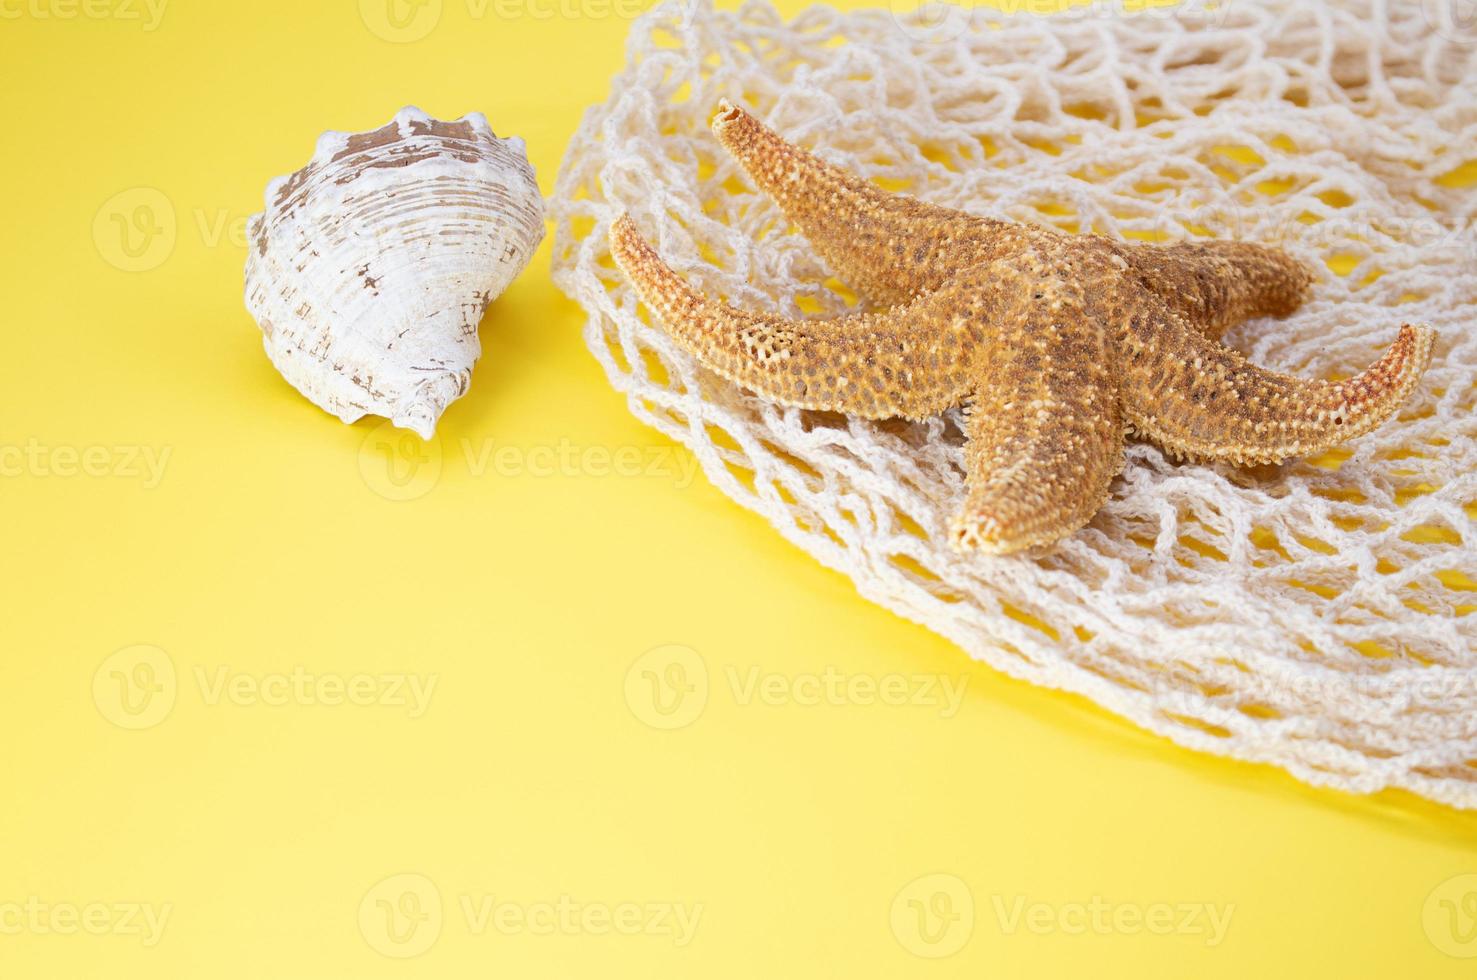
533,772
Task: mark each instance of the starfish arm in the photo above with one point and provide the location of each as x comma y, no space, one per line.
889,247
1198,399
1045,438
911,361
1217,284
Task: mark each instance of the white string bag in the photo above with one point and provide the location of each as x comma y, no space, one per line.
1313,615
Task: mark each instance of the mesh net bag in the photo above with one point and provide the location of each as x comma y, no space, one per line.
1313,615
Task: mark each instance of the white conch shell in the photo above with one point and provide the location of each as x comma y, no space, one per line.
371,267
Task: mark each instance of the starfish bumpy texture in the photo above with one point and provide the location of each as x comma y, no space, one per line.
1058,346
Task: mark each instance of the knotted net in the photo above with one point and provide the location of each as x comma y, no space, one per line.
1313,615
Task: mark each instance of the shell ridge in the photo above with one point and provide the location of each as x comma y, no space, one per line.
370,268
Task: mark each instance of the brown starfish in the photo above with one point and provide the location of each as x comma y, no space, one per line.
1057,345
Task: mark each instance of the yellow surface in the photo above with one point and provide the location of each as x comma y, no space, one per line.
809,830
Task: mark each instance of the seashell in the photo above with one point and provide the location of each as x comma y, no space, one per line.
371,267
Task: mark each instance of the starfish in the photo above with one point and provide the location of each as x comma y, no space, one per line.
1058,346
